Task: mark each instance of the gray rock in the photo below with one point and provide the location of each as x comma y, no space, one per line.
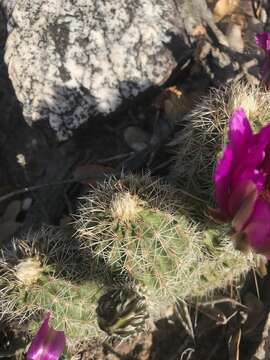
7,6
71,59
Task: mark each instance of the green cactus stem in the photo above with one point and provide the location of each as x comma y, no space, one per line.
45,273
202,139
140,226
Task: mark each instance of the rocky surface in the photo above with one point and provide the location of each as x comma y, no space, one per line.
69,60
7,6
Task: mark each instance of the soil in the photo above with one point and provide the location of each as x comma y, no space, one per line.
100,147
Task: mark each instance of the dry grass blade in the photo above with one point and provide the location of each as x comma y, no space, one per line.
234,345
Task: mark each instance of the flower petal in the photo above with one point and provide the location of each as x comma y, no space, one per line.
239,194
263,135
246,206
222,178
263,40
240,134
248,170
258,227
48,344
265,72
256,163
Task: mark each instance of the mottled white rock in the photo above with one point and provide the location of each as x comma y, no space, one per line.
71,59
7,6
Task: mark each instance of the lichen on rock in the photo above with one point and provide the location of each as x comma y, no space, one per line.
7,6
70,60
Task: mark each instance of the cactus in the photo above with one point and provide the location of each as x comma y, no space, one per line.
137,252
140,226
44,273
122,312
222,265
204,135
48,272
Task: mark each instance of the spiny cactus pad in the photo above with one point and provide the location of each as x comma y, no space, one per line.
44,273
140,226
204,135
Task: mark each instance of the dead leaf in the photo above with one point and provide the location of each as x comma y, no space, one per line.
234,36
136,138
224,8
199,30
164,95
174,90
176,107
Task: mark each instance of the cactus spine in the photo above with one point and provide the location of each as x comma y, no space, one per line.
204,135
140,226
45,273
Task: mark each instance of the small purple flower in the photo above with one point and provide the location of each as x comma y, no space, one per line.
263,41
242,182
48,344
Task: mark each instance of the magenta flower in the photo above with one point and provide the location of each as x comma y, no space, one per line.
263,41
48,344
242,183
